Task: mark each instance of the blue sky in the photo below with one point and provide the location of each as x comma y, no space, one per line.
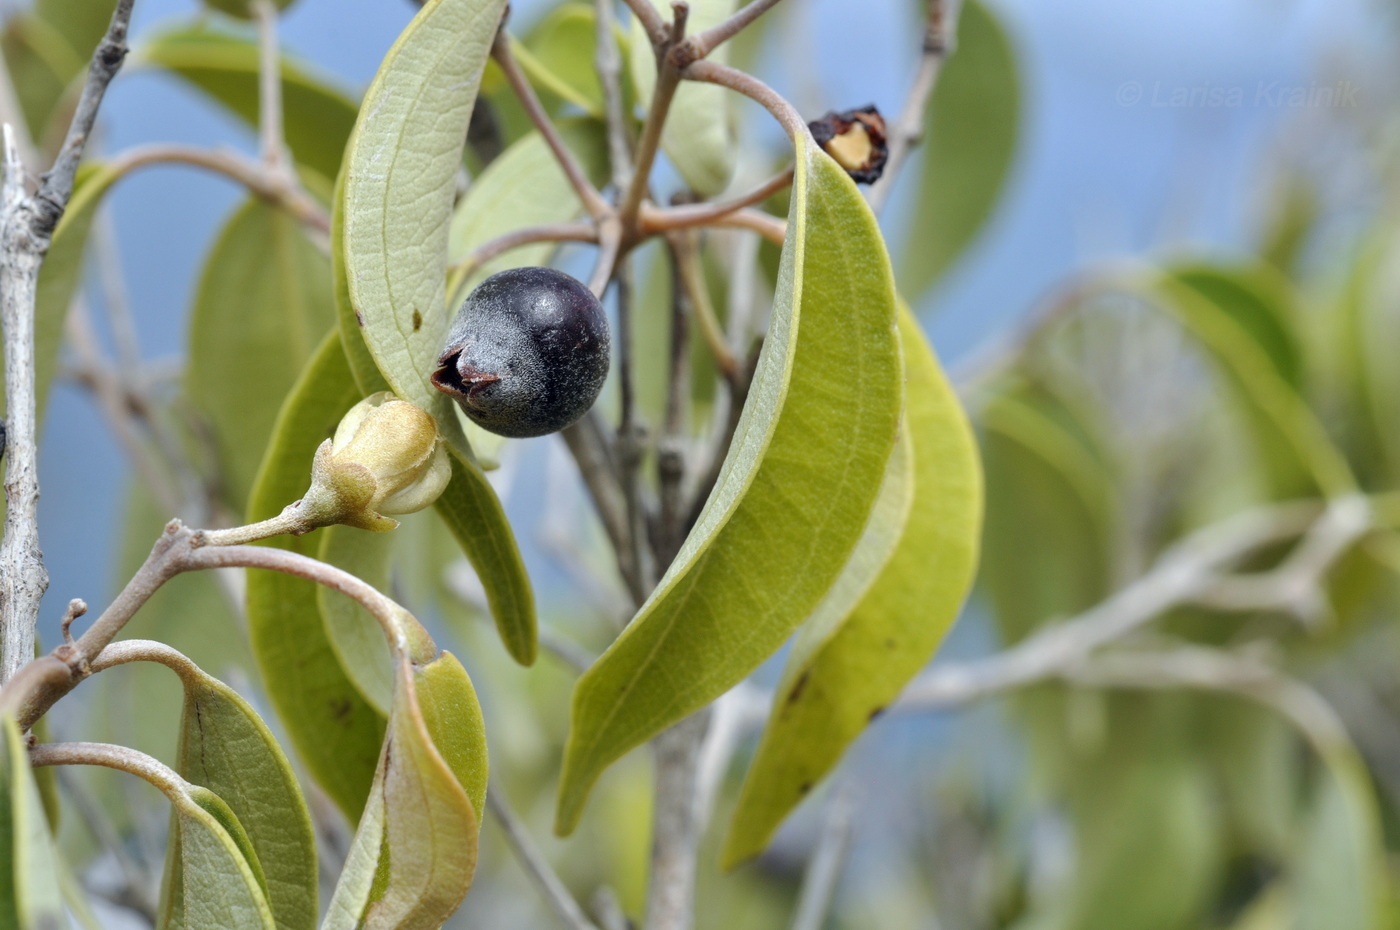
1104,171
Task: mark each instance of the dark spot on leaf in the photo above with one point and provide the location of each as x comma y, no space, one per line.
890,644
798,688
417,321
359,318
875,713
805,787
340,708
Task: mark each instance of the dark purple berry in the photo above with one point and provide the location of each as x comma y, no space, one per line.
527,352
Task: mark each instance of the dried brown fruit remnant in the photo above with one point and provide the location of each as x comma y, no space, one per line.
856,139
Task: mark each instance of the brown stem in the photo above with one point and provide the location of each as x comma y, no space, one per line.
43,681
766,225
785,113
529,235
654,220
650,19
704,43
274,156
908,130
593,202
690,280
668,78
607,61
237,168
121,758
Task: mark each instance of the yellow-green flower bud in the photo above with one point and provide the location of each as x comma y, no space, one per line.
386,458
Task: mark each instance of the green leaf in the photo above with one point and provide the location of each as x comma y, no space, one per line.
1341,866
389,239
885,616
1050,519
1261,302
262,305
399,185
1147,848
40,65
81,23
335,731
318,116
523,187
796,489
226,748
558,57
472,511
353,632
699,133
412,859
1293,447
241,8
31,897
212,880
973,123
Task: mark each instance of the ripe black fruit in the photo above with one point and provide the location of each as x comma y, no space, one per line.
527,352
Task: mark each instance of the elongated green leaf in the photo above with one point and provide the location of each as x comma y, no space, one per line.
792,500
213,880
226,748
390,236
318,115
1357,331
1341,861
399,186
30,895
40,64
973,124
1147,849
242,9
1294,448
413,856
887,613
523,187
1260,301
558,57
1047,542
354,634
335,731
81,23
263,303
699,133
473,512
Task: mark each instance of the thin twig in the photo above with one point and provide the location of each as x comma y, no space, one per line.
703,43
670,449
908,130
654,219
1184,575
690,281
52,197
41,682
273,148
593,202
668,78
650,19
236,167
536,866
628,446
785,113
528,235
121,758
607,61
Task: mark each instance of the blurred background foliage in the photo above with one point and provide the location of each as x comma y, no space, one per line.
1230,347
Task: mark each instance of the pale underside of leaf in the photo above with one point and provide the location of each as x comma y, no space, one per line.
797,487
887,613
